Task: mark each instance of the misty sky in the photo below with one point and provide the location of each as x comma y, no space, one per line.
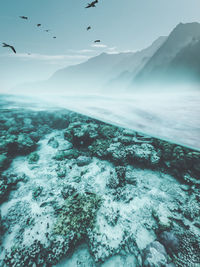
122,25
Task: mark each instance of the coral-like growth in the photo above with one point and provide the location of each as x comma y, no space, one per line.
33,157
78,215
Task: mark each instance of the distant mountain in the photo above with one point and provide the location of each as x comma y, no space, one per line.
130,66
98,74
172,59
177,60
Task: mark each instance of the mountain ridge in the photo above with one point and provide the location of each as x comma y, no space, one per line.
160,65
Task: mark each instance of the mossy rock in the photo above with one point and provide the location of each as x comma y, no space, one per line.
69,154
78,215
4,189
108,131
37,192
81,134
33,158
99,148
25,144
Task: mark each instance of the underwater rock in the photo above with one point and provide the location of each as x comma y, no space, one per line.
121,173
108,131
193,160
77,215
33,255
61,170
170,241
3,161
191,209
144,154
99,148
35,136
117,153
162,216
1,227
20,214
8,182
124,194
154,255
53,142
130,177
113,181
81,134
68,190
25,144
37,192
33,158
188,252
65,146
111,216
68,154
178,158
83,160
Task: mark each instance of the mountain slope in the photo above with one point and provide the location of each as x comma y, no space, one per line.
131,66
172,57
98,74
100,71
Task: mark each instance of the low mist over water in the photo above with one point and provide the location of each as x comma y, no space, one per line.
170,116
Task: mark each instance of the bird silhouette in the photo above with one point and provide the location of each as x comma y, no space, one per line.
10,46
46,30
23,17
38,25
88,28
54,37
92,4
97,41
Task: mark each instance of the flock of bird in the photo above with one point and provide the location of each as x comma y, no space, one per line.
89,5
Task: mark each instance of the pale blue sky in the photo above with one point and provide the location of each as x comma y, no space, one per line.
120,24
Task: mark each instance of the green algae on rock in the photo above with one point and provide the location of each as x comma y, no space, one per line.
33,158
78,215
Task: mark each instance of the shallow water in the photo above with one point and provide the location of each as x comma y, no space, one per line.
141,196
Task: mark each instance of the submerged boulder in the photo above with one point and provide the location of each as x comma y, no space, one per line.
81,134
33,158
3,161
53,142
170,241
68,154
154,255
25,144
77,215
4,189
144,154
83,160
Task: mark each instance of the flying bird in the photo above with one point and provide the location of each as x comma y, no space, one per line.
92,4
88,28
46,30
38,25
10,46
23,17
97,41
54,37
